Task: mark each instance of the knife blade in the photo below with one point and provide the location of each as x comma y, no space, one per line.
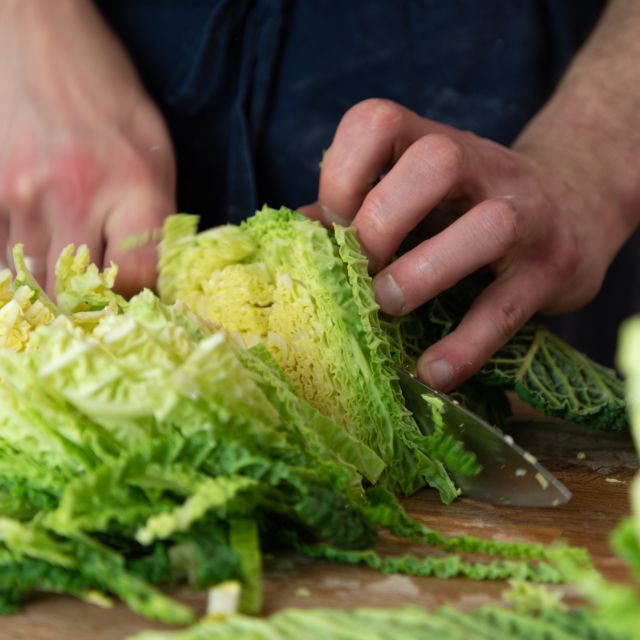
509,474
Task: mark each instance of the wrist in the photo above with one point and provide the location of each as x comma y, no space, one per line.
585,143
588,134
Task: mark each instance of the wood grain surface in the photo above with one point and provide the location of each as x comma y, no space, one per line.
597,468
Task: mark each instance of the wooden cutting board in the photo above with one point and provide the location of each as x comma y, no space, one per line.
597,468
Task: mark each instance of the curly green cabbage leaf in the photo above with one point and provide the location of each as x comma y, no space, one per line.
283,281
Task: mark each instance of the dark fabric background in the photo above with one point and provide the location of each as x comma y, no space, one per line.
253,91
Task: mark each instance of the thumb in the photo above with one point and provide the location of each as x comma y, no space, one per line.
130,232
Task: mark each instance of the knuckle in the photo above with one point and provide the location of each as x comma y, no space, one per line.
375,212
376,114
154,165
509,317
20,190
430,267
441,153
503,222
337,184
21,182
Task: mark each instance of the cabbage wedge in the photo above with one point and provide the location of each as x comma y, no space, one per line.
285,282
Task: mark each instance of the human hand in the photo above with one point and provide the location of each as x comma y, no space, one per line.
84,155
533,216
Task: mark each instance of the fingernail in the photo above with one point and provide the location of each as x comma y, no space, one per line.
437,373
331,217
388,294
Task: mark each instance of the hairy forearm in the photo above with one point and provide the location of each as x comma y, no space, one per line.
590,128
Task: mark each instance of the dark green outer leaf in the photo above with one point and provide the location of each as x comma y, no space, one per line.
545,372
554,378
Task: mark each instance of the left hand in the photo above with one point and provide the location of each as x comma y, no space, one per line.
534,217
85,156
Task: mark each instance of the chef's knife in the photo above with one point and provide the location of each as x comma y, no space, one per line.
509,474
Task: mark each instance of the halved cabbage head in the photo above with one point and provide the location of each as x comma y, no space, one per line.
284,281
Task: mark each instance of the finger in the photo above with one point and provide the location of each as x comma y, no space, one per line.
370,137
494,317
480,237
140,214
434,168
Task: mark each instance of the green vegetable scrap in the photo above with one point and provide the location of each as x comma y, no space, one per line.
617,606
407,622
551,376
626,539
142,445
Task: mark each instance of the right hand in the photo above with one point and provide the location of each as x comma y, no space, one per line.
85,156
531,214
